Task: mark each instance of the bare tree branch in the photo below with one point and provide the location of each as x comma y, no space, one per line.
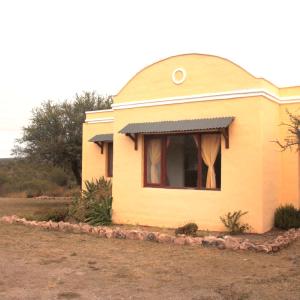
294,129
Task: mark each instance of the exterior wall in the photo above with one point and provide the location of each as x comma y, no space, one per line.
271,160
241,170
290,179
94,164
256,176
205,74
92,116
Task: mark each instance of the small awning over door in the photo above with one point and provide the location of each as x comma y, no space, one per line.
100,139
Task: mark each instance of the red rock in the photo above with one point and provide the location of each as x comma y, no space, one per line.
101,232
246,245
179,240
262,248
231,243
54,225
133,235
164,238
221,245
33,223
118,234
142,235
75,227
86,228
190,240
108,233
151,236
94,230
198,240
275,247
6,219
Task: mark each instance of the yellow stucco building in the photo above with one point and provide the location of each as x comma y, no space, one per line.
188,139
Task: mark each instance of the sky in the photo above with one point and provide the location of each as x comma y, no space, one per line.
53,49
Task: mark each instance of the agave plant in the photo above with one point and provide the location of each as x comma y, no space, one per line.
94,205
100,213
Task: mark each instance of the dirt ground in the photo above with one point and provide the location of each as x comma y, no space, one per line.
40,264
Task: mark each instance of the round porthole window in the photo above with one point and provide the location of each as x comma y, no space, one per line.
179,75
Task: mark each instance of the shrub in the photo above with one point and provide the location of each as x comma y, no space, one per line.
55,214
94,205
287,217
33,178
187,229
58,176
36,187
233,224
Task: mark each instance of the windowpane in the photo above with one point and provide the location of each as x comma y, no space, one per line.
182,161
154,161
173,161
110,159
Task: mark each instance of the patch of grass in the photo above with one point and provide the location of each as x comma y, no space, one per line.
25,207
54,214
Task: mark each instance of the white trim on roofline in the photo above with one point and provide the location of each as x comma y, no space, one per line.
99,120
206,97
98,111
195,98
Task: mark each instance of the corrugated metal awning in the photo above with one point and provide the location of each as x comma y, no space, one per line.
178,126
102,138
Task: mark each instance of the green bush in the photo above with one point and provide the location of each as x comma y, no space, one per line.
94,205
58,176
36,187
187,229
287,217
233,224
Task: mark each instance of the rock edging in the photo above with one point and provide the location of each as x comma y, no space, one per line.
226,242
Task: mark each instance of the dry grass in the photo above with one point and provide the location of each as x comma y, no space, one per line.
38,264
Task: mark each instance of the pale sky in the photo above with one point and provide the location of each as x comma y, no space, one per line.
54,49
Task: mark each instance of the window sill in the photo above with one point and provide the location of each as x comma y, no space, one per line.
180,188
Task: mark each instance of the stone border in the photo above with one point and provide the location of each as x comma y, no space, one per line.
226,242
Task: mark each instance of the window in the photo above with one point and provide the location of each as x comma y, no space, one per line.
183,161
110,160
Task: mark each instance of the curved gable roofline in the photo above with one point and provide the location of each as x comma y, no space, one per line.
192,54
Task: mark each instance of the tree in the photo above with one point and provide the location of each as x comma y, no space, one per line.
54,134
293,137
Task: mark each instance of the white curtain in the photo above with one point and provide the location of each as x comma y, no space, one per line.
210,145
154,154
